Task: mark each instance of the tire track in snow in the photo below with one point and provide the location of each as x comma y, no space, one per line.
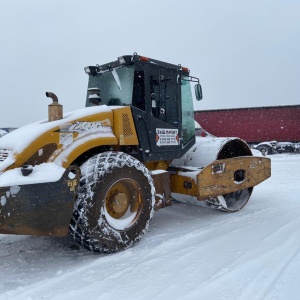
261,264
194,240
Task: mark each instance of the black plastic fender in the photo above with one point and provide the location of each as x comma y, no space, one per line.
43,209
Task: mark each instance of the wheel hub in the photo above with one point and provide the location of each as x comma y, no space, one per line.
117,204
122,197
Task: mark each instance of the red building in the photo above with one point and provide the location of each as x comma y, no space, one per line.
255,124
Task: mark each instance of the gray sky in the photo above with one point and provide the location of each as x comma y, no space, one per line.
246,53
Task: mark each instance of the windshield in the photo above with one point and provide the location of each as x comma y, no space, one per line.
115,86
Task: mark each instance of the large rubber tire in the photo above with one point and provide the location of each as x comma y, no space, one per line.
115,203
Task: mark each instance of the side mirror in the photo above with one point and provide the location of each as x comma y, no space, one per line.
198,91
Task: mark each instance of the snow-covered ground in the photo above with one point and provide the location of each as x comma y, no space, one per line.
190,252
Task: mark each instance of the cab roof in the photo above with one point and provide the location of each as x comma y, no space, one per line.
131,59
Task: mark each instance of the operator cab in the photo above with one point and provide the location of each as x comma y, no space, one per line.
160,97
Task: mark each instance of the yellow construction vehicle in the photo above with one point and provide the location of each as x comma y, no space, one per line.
101,171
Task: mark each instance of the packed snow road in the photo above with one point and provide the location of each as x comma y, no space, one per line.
190,252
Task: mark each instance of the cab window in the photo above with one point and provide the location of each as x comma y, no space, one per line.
188,123
115,86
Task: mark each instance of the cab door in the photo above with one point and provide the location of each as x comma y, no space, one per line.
159,123
164,113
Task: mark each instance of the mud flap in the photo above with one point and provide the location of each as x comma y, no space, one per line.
43,209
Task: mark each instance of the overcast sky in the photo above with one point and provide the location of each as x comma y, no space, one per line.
246,53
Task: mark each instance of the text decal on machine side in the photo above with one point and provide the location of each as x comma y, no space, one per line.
167,137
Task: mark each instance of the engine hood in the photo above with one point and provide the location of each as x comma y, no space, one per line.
17,146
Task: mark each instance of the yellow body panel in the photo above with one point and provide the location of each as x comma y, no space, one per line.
64,143
221,177
157,165
183,185
49,137
65,158
123,126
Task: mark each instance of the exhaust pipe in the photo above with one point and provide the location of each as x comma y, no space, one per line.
55,110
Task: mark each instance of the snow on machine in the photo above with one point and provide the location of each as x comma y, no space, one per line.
101,171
